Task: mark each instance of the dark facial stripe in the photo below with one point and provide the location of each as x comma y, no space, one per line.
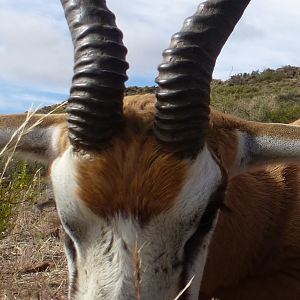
70,248
110,245
193,245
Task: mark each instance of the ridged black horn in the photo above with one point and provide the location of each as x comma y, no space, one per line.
96,97
182,108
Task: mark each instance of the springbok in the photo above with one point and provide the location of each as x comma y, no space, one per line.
159,196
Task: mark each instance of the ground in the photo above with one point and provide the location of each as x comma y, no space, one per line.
32,260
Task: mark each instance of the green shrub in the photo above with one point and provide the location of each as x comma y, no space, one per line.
271,75
283,114
289,96
17,187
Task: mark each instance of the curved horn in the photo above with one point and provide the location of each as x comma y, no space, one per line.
182,108
95,103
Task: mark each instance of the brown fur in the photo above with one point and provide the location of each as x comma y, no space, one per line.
132,177
229,122
224,143
255,251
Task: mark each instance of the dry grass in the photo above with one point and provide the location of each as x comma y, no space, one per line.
32,260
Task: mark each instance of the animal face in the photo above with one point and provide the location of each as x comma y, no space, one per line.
135,229
138,190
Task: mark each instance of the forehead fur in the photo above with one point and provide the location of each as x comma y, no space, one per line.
134,176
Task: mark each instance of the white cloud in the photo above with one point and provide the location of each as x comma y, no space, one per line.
147,27
35,47
266,37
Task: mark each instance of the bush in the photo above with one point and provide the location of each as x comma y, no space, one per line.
283,114
271,75
16,188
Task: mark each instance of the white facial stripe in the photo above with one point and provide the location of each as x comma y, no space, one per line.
56,135
202,179
106,253
63,177
64,180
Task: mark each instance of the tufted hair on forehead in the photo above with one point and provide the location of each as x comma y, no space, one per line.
132,177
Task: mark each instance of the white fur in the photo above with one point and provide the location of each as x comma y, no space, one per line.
202,178
255,150
276,147
55,133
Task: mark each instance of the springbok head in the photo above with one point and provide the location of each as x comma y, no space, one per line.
138,184
137,197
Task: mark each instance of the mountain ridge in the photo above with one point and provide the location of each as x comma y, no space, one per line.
268,96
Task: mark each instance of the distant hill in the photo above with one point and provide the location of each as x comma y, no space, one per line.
270,95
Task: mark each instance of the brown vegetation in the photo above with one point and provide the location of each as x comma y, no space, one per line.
32,260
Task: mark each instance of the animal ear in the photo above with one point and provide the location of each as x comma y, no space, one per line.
33,136
260,143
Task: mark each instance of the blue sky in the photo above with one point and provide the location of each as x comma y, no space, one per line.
36,55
